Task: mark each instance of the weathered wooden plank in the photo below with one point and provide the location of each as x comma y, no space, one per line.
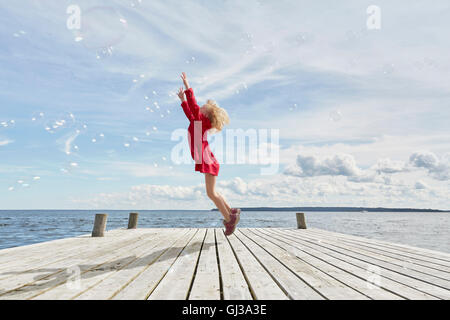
41,248
258,263
295,287
328,286
387,251
402,260
262,285
417,284
341,271
362,270
29,285
109,285
206,284
7,252
394,265
176,283
140,287
93,273
438,256
36,259
234,285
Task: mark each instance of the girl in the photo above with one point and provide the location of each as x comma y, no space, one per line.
209,117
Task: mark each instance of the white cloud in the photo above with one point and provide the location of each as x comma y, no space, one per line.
311,166
387,165
437,168
279,190
340,66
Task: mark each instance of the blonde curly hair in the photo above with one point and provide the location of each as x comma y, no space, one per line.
217,115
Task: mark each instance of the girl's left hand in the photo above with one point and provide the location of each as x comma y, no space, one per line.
181,94
185,80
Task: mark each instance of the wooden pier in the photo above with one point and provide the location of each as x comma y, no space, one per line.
201,263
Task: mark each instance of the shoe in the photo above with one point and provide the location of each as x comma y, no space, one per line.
237,212
230,226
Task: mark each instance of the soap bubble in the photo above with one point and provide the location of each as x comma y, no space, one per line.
135,3
388,69
98,138
104,53
81,128
101,27
425,63
293,107
48,128
70,167
191,60
355,35
19,33
66,119
63,120
7,124
51,126
135,139
37,116
335,115
304,38
10,188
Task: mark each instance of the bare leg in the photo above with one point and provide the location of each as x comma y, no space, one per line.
210,183
225,203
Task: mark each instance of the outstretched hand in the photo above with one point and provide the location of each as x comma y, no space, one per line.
185,80
181,94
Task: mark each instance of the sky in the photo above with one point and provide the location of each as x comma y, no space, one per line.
358,99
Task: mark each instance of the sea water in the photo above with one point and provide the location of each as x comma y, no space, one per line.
421,229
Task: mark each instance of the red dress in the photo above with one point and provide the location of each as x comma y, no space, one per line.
205,161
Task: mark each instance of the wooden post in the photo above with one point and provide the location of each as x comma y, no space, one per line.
133,220
99,224
301,222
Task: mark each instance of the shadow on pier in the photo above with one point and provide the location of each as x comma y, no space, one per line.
47,278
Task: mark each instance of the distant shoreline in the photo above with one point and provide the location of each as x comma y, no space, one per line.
337,209
310,209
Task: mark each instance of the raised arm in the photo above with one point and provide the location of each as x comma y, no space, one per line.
185,106
195,109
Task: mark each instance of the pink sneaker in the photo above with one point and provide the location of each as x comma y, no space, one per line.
230,226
